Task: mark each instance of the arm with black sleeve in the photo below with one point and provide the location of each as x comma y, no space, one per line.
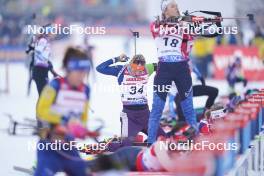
51,69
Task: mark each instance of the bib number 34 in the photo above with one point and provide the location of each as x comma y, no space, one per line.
134,89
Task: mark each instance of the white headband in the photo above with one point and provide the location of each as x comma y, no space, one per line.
165,3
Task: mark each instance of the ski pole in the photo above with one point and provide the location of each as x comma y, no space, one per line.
135,35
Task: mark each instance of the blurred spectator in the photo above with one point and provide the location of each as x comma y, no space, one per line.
220,40
202,54
232,39
90,12
258,41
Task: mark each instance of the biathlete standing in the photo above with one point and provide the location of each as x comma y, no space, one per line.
173,52
41,64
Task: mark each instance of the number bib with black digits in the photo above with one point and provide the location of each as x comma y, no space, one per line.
173,41
134,89
169,45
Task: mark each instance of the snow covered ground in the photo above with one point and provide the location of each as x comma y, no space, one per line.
14,150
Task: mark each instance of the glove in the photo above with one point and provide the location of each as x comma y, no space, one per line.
122,58
77,130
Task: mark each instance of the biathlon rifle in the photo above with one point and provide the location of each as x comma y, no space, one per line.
217,17
31,124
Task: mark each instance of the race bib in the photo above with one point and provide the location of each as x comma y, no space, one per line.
70,103
42,53
169,42
173,41
134,89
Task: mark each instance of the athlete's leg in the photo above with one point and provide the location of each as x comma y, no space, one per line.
231,83
133,126
243,80
130,127
162,84
177,101
211,92
143,119
40,76
48,163
123,158
75,166
183,83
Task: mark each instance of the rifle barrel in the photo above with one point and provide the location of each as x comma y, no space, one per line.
235,18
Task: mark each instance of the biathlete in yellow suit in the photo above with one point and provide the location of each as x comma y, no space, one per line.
63,110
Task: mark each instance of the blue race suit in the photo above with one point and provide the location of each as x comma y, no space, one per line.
173,53
135,114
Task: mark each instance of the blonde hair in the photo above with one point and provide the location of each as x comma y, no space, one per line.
137,57
164,4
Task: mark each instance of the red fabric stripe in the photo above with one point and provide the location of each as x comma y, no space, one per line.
153,32
139,166
152,151
62,81
184,46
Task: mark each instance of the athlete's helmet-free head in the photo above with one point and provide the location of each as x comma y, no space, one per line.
137,63
169,8
76,60
77,65
238,62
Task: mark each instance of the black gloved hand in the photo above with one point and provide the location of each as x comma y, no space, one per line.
122,58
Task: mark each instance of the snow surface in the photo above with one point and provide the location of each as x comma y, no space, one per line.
14,150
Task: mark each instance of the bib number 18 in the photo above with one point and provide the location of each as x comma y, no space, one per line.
172,43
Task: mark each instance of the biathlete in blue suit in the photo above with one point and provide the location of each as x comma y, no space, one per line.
132,79
173,50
